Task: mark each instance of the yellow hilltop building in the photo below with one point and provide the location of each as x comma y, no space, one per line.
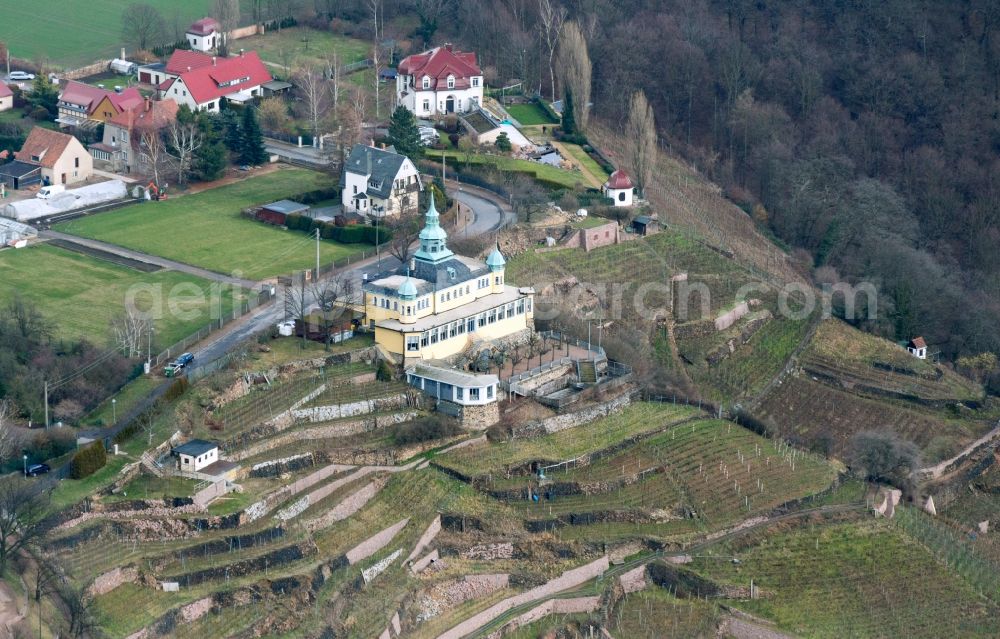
444,304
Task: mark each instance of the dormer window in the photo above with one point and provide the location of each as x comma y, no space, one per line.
451,82
427,82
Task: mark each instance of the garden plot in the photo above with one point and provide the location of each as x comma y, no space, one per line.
654,613
857,580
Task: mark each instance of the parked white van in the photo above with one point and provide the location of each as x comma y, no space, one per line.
47,192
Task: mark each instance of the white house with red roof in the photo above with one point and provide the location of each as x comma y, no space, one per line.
201,81
6,97
204,34
439,81
619,188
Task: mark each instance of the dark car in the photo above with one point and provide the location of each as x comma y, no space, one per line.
185,358
35,470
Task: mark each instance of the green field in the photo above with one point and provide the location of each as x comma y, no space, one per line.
301,45
560,177
529,114
579,155
81,294
74,33
207,230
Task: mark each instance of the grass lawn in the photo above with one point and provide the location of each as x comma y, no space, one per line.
529,114
561,177
149,487
86,31
129,395
290,349
207,230
81,294
579,155
302,45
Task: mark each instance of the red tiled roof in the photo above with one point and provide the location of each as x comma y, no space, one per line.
5,91
154,114
203,83
88,96
619,180
439,63
204,27
918,342
182,59
45,144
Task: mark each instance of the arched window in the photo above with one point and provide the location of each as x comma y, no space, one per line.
621,196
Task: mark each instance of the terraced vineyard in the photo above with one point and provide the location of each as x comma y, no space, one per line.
497,459
823,418
653,613
862,359
701,475
857,580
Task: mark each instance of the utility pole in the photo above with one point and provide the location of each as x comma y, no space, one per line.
317,254
46,404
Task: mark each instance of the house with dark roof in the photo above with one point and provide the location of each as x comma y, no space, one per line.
195,455
6,97
80,103
442,304
121,145
202,81
379,182
439,81
204,35
61,157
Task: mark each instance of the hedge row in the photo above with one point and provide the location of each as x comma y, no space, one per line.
350,234
88,461
319,195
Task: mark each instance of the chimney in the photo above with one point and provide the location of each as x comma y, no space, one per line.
241,53
449,46
149,103
213,60
189,68
383,146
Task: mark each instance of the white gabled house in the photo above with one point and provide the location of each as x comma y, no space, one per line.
439,81
204,34
202,81
379,182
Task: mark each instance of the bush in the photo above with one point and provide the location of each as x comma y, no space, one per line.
883,456
293,221
88,461
384,372
178,388
423,430
39,113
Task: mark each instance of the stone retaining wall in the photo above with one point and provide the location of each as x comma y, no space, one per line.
351,504
569,579
110,580
425,561
558,423
339,411
425,539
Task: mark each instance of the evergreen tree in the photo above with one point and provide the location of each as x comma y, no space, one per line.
503,143
227,125
568,119
404,134
44,94
252,149
209,161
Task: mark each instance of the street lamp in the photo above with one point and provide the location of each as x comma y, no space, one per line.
114,410
25,465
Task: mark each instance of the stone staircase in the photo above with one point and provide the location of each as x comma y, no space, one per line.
586,371
150,465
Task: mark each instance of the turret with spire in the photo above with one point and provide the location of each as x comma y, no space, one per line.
433,238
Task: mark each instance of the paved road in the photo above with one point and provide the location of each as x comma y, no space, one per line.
149,259
318,157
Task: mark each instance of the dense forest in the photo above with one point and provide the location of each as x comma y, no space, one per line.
868,131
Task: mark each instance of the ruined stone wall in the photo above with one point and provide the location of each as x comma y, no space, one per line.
110,580
480,417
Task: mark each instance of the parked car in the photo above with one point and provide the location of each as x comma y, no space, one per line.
176,366
35,470
21,75
185,359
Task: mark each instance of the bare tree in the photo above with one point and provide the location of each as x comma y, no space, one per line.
352,118
551,17
8,445
21,510
315,94
328,292
131,331
297,304
142,26
152,147
376,49
405,230
333,73
80,609
575,70
640,136
227,12
185,139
